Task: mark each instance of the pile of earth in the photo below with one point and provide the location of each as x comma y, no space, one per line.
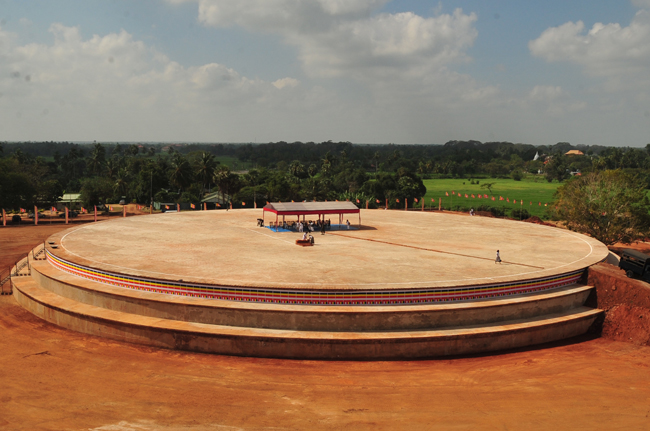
537,220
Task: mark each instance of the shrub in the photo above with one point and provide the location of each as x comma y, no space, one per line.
520,213
495,211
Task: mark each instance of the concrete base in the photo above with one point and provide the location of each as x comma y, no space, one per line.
308,318
303,332
230,340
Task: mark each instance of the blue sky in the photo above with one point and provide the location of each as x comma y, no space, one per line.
365,71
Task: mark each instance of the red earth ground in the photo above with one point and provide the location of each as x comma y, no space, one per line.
55,379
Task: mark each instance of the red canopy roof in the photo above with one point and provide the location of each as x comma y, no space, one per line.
306,208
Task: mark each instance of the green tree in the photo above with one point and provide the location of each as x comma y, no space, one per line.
253,179
376,157
297,169
112,166
488,186
97,159
133,150
181,172
206,166
16,187
95,191
227,181
611,206
49,192
121,183
517,175
556,168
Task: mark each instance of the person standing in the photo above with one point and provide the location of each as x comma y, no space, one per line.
498,259
347,222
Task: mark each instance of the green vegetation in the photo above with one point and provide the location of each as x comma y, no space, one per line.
37,173
234,163
533,188
611,206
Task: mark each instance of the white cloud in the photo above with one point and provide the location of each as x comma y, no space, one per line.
400,63
118,87
343,38
552,100
369,77
608,50
284,15
641,4
545,93
285,82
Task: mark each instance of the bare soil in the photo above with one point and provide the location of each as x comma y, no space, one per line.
626,303
55,379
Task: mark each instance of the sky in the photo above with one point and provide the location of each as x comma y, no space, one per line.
364,71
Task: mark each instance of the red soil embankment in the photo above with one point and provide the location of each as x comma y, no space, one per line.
626,303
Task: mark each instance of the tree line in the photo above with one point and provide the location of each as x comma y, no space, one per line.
34,173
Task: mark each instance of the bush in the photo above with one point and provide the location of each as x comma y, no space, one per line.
517,175
520,213
495,211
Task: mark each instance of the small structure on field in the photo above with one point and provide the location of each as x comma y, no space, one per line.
321,209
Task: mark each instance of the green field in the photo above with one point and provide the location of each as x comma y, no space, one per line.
233,163
527,190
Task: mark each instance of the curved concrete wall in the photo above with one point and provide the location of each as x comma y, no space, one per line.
306,318
305,344
318,297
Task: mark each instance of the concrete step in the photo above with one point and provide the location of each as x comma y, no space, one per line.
307,318
282,343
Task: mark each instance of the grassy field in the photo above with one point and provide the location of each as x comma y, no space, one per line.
527,190
234,163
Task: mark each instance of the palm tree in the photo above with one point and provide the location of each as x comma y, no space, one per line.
205,171
376,157
111,168
253,178
121,183
97,159
296,168
227,181
133,150
328,159
181,174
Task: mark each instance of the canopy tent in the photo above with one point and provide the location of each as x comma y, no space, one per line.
311,208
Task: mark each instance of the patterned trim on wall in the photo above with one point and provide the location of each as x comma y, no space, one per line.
317,297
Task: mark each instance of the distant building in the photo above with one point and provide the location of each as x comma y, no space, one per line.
70,200
216,198
574,153
536,155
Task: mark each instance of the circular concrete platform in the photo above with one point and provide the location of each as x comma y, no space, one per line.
396,257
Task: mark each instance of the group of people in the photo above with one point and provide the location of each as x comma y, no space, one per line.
308,226
304,226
